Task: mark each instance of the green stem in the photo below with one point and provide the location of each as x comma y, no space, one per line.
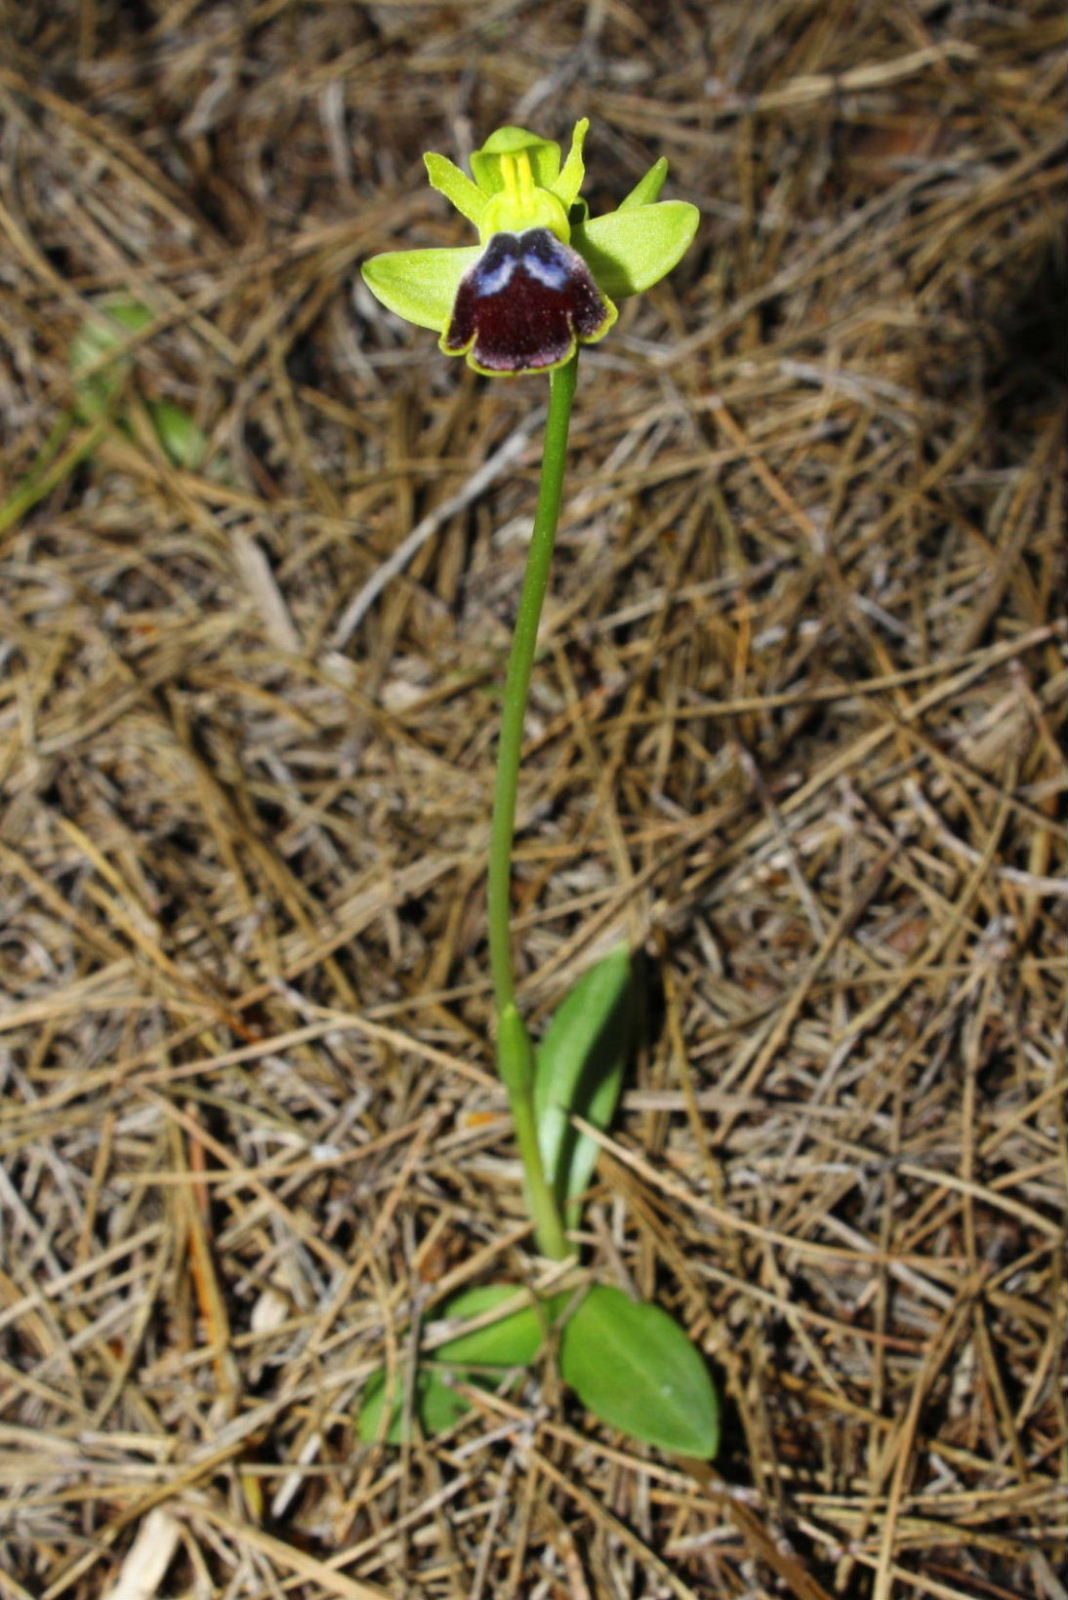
514,1050
49,469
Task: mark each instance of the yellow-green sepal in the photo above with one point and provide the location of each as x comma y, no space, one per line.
631,249
647,190
420,285
448,179
572,175
544,157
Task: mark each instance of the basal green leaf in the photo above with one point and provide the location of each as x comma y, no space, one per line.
580,1067
419,284
633,1366
185,441
515,1053
631,249
513,1341
436,1403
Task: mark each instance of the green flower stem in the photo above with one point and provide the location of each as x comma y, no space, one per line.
515,1054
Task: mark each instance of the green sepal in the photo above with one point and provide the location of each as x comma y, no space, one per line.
448,179
630,250
647,190
634,1368
544,158
573,172
420,284
580,1066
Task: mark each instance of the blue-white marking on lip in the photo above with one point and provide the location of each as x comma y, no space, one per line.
506,321
498,277
552,273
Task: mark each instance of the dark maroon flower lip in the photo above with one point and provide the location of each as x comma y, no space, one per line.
525,304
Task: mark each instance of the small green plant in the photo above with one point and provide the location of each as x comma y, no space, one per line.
102,374
544,280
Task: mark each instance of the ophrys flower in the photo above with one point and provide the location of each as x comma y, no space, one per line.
545,276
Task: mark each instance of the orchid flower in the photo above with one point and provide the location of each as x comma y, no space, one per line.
544,279
545,276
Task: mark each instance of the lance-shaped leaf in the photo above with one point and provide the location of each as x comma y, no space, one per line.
580,1067
634,1368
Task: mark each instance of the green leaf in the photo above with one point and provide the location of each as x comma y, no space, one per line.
436,1403
630,250
634,1368
580,1067
420,284
647,190
184,441
513,1341
515,1053
108,329
448,179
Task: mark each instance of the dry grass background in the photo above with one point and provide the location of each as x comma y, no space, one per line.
795,734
